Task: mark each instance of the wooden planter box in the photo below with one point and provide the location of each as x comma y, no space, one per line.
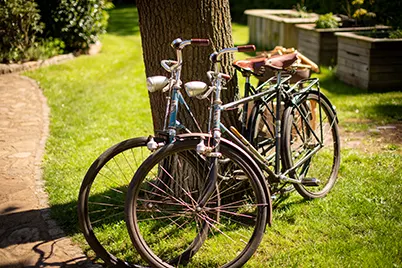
275,27
321,45
370,63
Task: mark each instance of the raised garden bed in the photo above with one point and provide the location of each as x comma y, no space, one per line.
321,45
369,63
275,27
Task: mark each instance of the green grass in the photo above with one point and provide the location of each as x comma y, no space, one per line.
96,101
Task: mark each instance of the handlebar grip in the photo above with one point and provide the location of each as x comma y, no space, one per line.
200,42
246,48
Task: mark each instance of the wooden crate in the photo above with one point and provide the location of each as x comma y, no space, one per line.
321,45
370,63
268,28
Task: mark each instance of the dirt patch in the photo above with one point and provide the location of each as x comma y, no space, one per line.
376,139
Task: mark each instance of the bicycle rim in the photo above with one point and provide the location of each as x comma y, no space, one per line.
101,201
170,229
317,131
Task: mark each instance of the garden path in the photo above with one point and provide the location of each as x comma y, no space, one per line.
28,236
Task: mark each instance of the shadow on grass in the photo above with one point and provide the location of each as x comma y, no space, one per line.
123,21
331,83
393,111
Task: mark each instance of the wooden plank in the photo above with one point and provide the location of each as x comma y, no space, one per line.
390,45
329,40
396,69
332,47
384,86
309,45
354,50
386,52
386,60
353,72
353,64
352,80
310,37
384,76
328,58
353,57
353,42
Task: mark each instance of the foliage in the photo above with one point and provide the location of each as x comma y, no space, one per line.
357,10
77,23
38,29
397,34
326,21
19,26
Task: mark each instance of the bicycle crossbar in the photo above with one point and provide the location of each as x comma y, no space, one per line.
248,99
304,159
312,81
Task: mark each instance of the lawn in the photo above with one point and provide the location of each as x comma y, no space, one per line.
97,101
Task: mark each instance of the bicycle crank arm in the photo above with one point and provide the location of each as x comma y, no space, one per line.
304,181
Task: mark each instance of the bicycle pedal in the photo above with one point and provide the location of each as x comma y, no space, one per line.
310,182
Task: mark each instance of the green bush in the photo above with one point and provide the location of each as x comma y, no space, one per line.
19,26
397,34
77,22
326,21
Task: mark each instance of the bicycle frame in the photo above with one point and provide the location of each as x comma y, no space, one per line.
276,175
171,124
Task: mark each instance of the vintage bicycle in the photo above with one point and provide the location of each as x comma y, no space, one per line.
208,197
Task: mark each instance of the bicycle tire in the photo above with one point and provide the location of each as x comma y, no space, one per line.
144,211
261,126
102,196
301,136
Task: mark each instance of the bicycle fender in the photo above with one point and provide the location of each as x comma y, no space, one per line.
256,169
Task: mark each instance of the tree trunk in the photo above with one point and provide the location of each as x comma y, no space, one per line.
163,21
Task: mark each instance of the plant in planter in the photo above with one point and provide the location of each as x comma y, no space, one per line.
371,60
276,27
357,15
326,21
318,41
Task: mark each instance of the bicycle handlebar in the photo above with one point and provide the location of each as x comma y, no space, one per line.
246,48
179,44
216,56
200,42
168,65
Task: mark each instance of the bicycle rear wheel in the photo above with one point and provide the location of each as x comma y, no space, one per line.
170,228
310,134
261,127
101,201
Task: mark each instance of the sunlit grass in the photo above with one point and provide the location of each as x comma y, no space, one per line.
96,101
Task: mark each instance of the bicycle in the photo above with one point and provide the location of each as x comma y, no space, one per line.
174,218
102,192
167,209
302,108
103,188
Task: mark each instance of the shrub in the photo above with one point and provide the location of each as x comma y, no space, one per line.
77,22
326,21
396,34
19,26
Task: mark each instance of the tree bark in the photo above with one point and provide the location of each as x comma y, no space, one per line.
163,21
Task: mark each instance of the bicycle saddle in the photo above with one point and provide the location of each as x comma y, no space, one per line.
280,62
252,65
276,62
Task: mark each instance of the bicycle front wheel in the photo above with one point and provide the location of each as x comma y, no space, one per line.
311,144
170,227
101,201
